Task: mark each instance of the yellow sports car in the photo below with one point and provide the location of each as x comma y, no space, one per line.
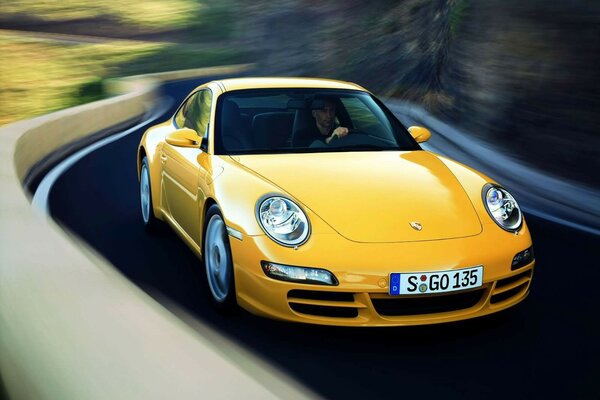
308,201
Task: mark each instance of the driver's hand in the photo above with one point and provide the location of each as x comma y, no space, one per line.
339,132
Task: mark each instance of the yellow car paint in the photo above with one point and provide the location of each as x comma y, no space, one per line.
419,133
183,138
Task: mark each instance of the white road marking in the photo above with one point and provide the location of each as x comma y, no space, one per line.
40,197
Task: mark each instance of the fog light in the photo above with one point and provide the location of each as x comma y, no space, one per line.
289,273
522,258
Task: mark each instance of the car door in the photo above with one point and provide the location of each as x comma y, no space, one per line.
182,170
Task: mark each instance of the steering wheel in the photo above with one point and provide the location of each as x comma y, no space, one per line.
354,137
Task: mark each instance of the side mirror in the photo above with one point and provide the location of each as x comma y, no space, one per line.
184,138
419,133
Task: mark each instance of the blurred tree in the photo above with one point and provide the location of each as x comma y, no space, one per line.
520,74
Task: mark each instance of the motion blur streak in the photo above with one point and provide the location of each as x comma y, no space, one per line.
521,75
71,326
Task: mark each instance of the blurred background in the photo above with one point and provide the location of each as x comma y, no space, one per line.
522,76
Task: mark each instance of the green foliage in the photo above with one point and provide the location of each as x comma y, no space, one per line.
48,72
174,57
87,92
457,15
141,13
214,21
42,76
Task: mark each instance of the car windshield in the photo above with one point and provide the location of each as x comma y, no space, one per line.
267,121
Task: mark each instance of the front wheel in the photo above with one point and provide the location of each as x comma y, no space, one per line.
218,261
148,217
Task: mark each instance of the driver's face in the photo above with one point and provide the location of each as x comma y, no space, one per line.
325,116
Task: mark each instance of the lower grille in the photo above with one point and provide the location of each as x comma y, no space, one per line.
498,298
320,295
511,287
324,304
507,281
427,305
325,311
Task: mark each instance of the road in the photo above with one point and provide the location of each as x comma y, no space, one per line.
548,346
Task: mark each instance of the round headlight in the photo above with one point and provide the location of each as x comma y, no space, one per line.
283,221
502,207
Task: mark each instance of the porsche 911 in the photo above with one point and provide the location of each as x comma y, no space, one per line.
307,200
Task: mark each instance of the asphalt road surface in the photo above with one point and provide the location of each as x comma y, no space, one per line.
546,347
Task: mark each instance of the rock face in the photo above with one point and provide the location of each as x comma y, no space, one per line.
385,45
523,75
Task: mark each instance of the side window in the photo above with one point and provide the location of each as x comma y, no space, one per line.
192,113
195,113
180,117
204,103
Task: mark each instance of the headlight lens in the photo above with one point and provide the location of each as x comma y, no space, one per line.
283,221
502,207
298,274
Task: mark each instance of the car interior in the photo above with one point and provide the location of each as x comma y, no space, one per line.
284,122
267,127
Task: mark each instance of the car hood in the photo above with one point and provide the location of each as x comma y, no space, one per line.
374,196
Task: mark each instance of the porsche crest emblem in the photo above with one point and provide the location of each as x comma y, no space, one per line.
416,225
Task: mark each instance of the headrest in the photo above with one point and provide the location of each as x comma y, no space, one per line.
231,109
319,101
272,129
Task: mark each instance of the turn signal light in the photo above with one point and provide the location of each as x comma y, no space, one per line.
522,258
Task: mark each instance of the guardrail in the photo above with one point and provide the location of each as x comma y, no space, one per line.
71,326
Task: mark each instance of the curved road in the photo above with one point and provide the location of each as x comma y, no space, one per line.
548,346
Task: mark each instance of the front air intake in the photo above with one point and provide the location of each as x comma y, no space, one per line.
324,303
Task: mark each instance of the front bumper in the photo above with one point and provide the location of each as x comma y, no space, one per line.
361,298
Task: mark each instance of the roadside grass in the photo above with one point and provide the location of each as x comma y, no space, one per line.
171,57
42,76
154,14
190,20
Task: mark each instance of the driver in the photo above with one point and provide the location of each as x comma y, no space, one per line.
324,120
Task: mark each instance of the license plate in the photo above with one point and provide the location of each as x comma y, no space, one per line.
435,282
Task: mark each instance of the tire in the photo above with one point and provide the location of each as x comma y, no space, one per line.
218,262
147,209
